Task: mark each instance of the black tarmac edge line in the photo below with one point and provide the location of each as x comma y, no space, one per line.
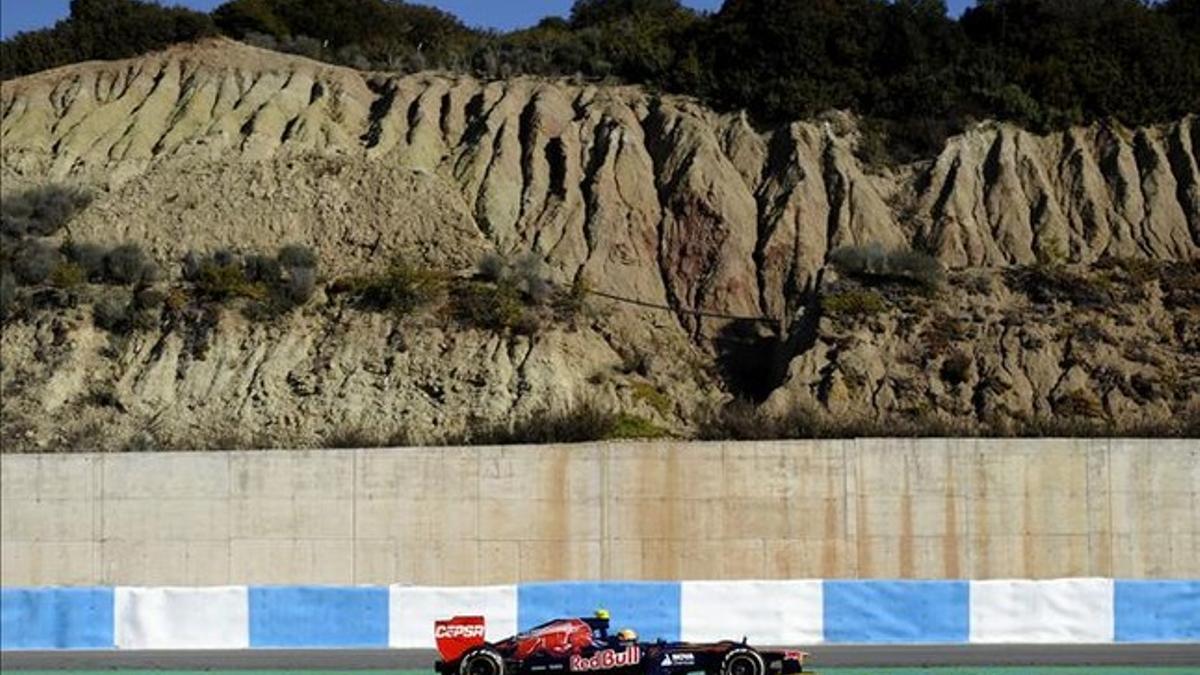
822,656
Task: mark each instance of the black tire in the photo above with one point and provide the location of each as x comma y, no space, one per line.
743,661
481,661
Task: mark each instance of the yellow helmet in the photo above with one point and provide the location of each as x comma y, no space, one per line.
627,635
602,614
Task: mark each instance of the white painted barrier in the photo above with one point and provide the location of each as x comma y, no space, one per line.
765,612
413,609
182,618
1060,611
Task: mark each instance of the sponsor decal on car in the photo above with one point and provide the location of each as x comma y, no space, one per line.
679,660
607,659
458,631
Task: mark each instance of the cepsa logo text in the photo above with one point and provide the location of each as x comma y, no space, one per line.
607,659
459,631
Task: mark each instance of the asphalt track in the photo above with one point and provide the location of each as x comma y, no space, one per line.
839,656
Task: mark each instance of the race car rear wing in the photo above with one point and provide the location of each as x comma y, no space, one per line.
457,635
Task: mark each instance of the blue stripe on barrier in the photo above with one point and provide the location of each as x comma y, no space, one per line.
318,616
1156,611
864,612
651,608
56,618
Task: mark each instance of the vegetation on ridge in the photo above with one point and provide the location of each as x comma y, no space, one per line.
915,72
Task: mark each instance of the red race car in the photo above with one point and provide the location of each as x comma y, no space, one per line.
584,645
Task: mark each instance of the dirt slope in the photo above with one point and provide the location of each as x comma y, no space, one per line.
649,197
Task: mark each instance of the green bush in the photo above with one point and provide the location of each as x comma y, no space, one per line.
300,285
190,267
496,307
88,256
129,264
530,277
274,285
40,211
295,255
149,299
8,294
526,272
114,311
492,267
101,29
401,288
33,262
260,268
226,282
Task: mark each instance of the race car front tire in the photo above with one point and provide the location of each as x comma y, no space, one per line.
743,661
482,661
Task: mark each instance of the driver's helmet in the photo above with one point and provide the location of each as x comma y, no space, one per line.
602,613
627,635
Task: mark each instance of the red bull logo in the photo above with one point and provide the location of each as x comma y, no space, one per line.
607,659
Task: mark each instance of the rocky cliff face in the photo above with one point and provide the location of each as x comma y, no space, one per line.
652,198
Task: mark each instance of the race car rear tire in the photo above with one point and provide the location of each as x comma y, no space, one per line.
482,661
743,661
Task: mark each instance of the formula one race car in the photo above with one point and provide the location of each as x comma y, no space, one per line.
584,646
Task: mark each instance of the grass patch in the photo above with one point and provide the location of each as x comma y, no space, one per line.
583,423
273,286
226,282
626,426
654,397
504,297
498,307
852,304
401,288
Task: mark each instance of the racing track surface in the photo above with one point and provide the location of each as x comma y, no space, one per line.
874,656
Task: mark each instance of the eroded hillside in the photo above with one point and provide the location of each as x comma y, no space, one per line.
650,198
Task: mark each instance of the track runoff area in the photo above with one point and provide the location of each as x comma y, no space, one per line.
1160,659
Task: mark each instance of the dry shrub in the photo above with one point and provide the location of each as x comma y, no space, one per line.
41,211
873,263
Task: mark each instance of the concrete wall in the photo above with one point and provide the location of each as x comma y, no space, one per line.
789,510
